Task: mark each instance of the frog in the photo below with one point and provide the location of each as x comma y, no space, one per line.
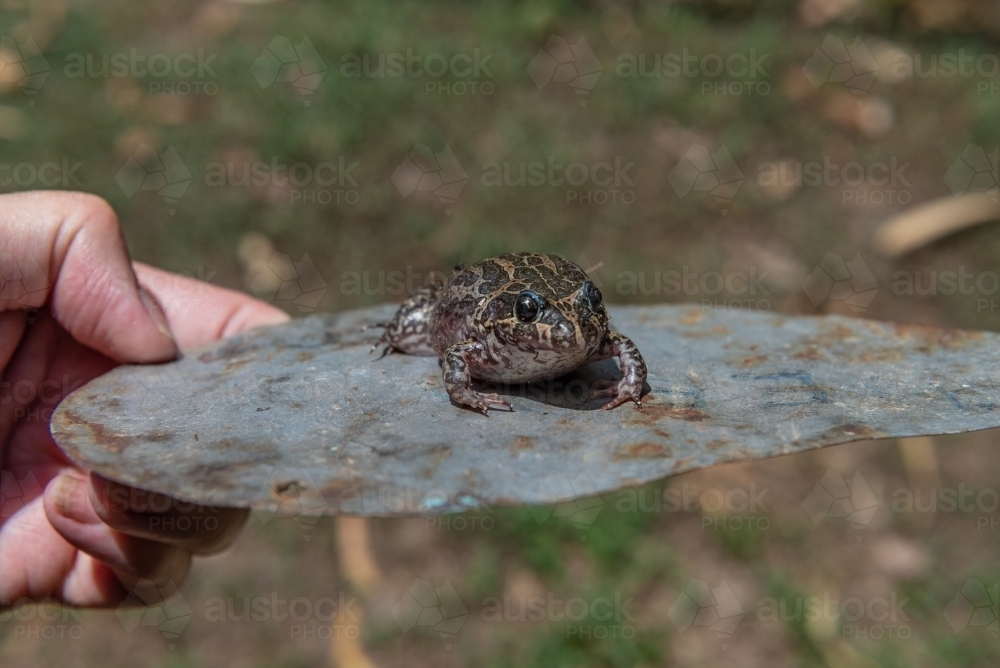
513,318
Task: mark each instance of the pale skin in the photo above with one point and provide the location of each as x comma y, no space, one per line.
67,533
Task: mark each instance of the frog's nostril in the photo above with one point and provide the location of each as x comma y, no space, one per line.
563,330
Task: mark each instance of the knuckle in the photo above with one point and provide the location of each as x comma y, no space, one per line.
96,216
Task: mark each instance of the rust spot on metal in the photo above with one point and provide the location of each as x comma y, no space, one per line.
691,318
654,412
102,436
681,464
712,446
662,433
524,443
289,488
850,432
839,331
647,450
753,361
882,355
810,353
304,356
737,453
440,452
932,338
717,330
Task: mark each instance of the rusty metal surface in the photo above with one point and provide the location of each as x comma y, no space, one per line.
298,419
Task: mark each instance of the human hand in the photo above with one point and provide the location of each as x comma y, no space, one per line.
66,533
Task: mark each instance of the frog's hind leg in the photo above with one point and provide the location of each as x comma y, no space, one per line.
410,329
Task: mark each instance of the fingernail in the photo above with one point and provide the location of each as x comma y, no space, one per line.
156,313
67,495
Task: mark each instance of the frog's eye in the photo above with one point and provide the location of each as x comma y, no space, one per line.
593,295
528,306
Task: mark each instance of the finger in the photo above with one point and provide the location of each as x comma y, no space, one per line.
68,508
200,312
66,250
38,563
193,527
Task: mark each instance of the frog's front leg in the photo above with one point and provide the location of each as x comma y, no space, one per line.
629,388
410,329
458,381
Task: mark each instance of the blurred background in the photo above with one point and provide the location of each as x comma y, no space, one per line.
765,156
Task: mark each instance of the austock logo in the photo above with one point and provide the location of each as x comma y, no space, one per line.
715,607
165,173
574,499
423,604
282,62
597,182
149,604
280,279
423,171
974,171
46,174
702,171
745,70
471,70
834,496
22,281
23,66
561,62
836,62
45,619
975,604
193,69
873,617
833,279
16,494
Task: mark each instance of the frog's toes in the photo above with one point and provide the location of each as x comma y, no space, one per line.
481,401
382,341
492,400
623,392
388,350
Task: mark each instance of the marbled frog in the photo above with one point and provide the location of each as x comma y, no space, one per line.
513,319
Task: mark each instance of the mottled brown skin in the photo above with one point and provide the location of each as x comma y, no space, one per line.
476,324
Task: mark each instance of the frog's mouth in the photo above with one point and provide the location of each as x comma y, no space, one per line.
558,337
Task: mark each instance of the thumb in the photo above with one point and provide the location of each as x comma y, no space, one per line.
67,250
